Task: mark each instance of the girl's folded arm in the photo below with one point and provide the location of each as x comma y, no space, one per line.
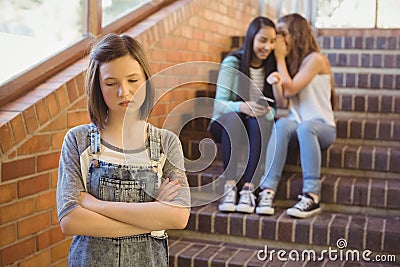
81,221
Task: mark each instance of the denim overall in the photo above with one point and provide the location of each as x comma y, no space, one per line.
122,183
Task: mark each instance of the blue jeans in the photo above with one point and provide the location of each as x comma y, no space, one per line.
312,136
230,130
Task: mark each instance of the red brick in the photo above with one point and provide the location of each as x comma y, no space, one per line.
155,121
80,83
72,90
16,210
236,222
61,263
180,43
158,55
59,123
198,34
37,143
8,192
8,234
18,126
57,140
158,109
155,67
54,216
33,224
30,119
48,161
62,97
193,45
33,185
49,238
173,56
79,105
77,118
12,155
6,138
52,105
17,168
53,178
60,251
42,112
285,228
18,251
42,258
46,200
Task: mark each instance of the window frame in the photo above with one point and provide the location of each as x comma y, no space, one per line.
39,73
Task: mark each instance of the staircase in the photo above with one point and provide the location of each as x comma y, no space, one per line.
360,177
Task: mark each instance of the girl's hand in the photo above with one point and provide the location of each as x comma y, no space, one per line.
88,201
168,190
252,109
274,78
280,49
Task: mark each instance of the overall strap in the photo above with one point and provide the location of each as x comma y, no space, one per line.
155,143
157,158
94,150
94,140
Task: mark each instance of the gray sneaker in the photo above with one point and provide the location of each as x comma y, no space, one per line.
264,206
228,201
247,202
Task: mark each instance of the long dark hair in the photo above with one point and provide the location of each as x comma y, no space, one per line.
108,48
246,53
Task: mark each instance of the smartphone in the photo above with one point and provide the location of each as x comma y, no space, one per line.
265,101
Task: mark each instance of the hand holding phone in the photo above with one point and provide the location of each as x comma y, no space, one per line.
265,101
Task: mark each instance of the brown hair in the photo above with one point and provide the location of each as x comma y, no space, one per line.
303,44
108,48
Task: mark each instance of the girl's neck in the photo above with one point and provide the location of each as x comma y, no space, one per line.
119,126
256,63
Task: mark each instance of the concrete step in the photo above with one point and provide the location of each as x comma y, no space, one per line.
375,233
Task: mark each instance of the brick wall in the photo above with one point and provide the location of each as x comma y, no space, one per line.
32,128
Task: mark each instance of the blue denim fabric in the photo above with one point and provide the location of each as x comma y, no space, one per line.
121,183
228,131
312,136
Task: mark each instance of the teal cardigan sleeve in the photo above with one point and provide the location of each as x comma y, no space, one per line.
227,88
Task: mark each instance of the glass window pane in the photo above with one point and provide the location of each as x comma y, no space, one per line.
388,14
32,30
114,9
345,14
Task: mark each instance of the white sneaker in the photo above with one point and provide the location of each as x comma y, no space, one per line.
264,206
228,201
247,202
